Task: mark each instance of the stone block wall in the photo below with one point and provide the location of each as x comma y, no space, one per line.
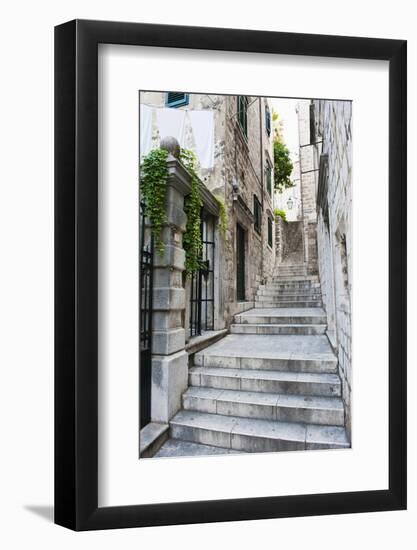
334,231
279,238
292,249
244,164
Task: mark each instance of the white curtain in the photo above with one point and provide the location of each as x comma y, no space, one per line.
145,129
171,122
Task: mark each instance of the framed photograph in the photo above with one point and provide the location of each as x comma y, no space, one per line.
230,254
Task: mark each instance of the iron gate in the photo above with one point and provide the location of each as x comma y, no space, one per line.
146,291
202,282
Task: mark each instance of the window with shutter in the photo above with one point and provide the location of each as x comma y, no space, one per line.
269,231
312,124
176,99
257,214
242,113
268,120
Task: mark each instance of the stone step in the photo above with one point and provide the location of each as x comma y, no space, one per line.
279,316
278,329
178,447
269,406
297,285
295,353
289,291
254,435
303,296
287,264
293,272
285,299
151,438
295,279
269,303
266,381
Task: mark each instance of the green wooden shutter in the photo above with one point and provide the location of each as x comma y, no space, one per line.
176,99
268,120
242,113
269,231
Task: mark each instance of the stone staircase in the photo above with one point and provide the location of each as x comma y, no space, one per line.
272,383
291,270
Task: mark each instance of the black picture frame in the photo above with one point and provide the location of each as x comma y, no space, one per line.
76,271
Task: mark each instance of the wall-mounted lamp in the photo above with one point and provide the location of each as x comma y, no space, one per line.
235,185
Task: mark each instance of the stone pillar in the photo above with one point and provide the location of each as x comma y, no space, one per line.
169,358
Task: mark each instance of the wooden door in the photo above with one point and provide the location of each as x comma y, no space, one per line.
240,263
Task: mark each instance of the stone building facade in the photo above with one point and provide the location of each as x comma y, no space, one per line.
333,126
242,179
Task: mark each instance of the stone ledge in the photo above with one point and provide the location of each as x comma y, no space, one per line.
151,438
199,343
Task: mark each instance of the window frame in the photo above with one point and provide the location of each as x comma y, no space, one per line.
177,103
268,120
243,113
270,232
257,215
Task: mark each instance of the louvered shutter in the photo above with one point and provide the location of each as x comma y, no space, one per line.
176,99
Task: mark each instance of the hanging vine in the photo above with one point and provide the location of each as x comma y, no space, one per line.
154,176
192,206
223,221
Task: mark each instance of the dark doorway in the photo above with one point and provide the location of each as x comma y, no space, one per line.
240,263
146,290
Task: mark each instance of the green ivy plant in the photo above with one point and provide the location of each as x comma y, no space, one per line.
223,221
281,214
154,174
192,206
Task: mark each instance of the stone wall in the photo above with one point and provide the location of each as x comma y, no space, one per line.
292,249
279,238
333,121
245,158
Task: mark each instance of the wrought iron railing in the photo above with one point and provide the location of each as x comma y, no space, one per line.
202,282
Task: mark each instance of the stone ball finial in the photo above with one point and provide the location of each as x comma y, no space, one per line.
171,145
